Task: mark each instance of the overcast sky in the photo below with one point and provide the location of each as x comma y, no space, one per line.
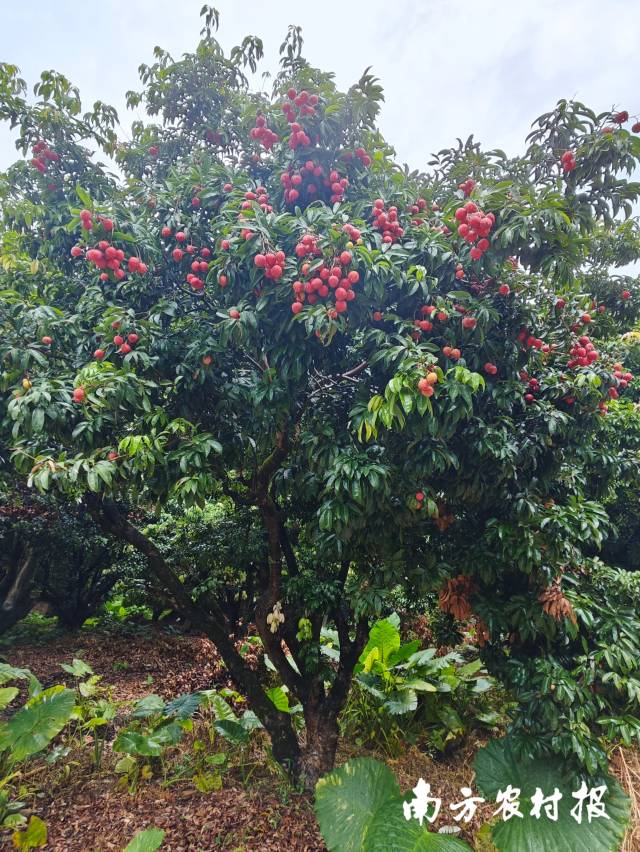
448,68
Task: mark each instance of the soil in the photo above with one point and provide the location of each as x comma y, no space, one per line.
88,810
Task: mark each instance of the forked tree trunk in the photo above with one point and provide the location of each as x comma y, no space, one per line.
306,764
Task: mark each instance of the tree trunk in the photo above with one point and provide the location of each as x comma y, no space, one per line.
213,623
319,752
16,591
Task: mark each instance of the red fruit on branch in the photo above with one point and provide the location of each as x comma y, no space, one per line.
425,387
79,394
47,341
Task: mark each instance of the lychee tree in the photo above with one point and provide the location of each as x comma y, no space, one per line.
403,377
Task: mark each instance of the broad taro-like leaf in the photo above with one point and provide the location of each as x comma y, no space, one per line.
359,809
279,698
7,694
401,701
384,640
33,727
78,668
133,742
184,706
148,840
232,731
9,673
148,745
497,766
391,831
150,705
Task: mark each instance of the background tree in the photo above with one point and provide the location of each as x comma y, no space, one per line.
403,376
53,553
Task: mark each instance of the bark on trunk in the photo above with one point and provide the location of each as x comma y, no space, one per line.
319,752
212,622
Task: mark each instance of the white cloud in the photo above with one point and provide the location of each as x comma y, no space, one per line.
449,69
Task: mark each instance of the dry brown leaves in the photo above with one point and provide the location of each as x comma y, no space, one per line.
625,765
454,597
554,602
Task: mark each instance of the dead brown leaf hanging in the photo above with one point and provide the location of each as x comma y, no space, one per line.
554,602
454,597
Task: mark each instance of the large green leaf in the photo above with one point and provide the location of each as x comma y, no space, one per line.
148,745
7,694
9,673
280,699
148,840
78,668
184,706
359,809
401,701
384,640
496,767
150,705
34,726
390,830
231,730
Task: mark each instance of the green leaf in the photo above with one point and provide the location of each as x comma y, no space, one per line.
33,727
78,668
150,705
7,694
33,837
280,699
497,766
232,731
184,706
384,640
133,742
401,701
347,800
146,841
391,831
84,197
359,809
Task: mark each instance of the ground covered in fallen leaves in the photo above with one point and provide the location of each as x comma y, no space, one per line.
89,810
